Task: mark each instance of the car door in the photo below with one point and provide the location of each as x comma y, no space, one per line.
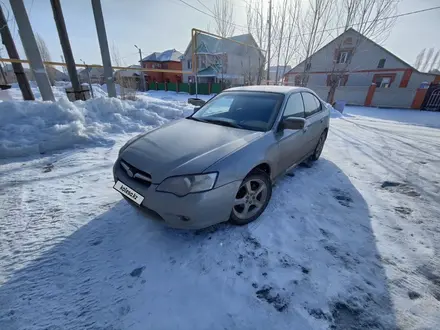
314,120
291,142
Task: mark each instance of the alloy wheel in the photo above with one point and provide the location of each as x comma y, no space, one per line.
250,198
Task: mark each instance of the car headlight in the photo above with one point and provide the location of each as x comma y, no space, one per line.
186,184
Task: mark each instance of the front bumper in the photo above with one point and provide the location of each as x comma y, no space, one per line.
193,211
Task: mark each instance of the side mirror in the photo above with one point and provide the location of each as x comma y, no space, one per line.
293,123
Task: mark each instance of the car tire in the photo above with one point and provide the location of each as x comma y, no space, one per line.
319,146
248,206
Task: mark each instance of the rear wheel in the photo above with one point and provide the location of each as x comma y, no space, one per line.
251,199
319,147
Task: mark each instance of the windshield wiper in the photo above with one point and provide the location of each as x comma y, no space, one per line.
223,123
197,119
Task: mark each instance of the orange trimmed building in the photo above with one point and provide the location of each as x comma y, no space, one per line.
366,74
169,60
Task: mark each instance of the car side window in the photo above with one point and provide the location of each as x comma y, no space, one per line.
294,106
311,104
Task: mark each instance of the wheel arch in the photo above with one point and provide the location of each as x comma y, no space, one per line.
262,167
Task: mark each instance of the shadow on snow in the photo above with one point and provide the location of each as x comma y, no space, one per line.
310,260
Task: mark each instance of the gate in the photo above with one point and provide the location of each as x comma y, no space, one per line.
432,98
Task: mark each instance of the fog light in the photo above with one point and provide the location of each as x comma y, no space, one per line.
183,218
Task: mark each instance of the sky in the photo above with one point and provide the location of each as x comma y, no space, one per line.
158,25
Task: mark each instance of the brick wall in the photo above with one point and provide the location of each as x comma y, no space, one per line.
163,76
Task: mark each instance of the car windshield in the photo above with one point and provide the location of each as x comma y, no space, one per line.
248,110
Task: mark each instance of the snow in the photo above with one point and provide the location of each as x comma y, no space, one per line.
40,127
406,116
350,243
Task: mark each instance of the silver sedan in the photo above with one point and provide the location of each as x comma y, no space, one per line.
219,163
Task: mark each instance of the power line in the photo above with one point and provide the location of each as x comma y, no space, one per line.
379,19
205,13
207,8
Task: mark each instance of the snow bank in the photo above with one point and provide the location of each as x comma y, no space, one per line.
333,112
117,87
403,116
38,127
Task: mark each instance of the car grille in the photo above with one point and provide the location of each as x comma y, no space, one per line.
135,173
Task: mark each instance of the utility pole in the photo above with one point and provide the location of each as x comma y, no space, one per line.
103,44
32,52
142,72
269,22
3,74
65,45
8,41
64,68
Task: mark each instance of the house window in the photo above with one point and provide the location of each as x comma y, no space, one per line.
156,66
381,63
189,64
343,57
384,80
202,62
308,66
348,41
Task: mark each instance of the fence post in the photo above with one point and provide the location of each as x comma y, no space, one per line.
157,85
370,95
177,87
166,86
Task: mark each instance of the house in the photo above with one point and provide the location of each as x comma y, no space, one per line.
352,63
96,75
53,73
129,78
57,74
282,70
167,60
220,60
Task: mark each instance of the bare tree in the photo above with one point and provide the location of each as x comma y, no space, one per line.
286,16
428,57
434,64
371,19
312,31
257,26
427,61
419,59
223,15
282,21
125,78
45,56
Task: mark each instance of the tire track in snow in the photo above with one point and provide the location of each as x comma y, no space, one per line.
408,168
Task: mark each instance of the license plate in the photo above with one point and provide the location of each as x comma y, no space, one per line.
127,191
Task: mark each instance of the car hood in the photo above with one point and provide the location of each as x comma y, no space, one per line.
184,147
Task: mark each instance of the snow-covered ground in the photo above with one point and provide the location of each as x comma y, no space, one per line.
350,243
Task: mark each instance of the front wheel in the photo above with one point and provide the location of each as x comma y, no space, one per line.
251,199
319,147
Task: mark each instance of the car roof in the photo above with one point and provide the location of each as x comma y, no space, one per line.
267,88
